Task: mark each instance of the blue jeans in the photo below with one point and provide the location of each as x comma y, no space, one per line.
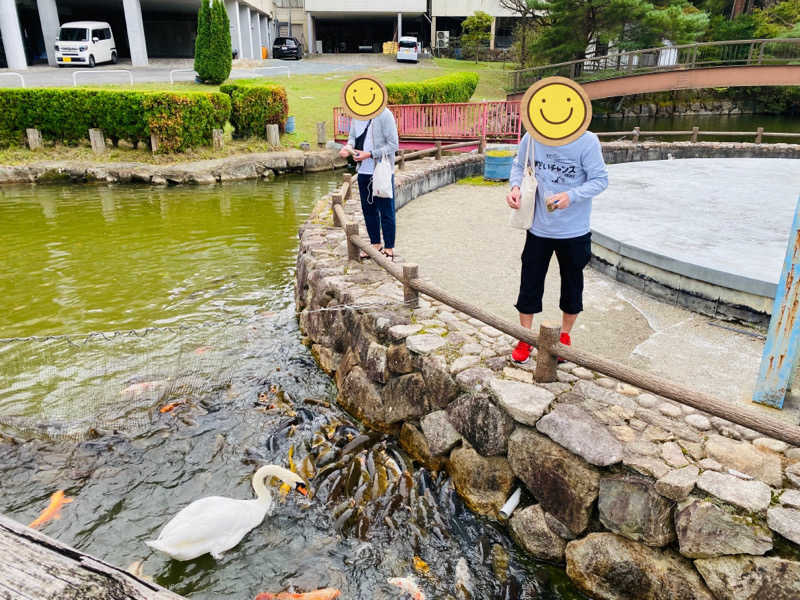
378,212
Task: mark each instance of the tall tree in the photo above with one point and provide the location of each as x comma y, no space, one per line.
477,31
529,18
203,38
221,51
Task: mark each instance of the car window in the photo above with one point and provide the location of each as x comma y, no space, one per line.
97,33
72,34
408,44
281,41
291,43
107,33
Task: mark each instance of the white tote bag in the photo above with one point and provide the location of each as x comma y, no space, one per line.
522,217
382,177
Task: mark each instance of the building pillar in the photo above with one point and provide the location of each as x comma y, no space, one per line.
255,27
311,37
48,17
491,33
399,26
265,38
135,28
433,32
244,26
12,35
232,6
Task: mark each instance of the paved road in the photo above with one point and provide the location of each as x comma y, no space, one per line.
159,70
459,237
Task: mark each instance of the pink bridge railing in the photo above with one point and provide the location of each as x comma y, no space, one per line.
496,121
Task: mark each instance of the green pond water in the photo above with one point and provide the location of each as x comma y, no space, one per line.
770,123
213,382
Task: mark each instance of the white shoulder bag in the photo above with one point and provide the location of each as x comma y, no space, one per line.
522,217
382,177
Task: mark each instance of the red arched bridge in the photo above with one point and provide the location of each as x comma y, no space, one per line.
769,62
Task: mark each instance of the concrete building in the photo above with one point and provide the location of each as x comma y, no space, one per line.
142,28
447,15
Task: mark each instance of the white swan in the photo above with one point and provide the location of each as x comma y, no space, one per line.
216,524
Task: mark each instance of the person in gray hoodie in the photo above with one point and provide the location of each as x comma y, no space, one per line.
369,141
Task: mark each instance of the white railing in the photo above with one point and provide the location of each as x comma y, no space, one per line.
21,78
76,73
171,73
288,72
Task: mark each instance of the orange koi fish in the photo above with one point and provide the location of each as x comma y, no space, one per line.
408,585
323,594
57,500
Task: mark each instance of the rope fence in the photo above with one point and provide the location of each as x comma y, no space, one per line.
547,342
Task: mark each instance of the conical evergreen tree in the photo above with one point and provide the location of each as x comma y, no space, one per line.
220,57
202,42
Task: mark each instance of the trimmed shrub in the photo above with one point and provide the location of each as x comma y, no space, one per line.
457,87
65,115
220,52
202,42
255,106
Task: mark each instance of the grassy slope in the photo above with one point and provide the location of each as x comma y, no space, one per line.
311,99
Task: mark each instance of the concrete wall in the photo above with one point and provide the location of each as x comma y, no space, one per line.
466,8
366,6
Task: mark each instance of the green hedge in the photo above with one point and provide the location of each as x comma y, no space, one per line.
254,106
65,115
457,87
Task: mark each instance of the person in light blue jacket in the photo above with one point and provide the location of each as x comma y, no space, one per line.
568,177
368,141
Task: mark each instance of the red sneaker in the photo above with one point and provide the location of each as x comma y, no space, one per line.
564,339
522,353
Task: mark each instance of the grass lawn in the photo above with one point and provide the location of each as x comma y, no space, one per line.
311,100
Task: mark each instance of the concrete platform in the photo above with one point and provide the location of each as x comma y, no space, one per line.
709,234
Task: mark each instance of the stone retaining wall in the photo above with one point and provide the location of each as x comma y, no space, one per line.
641,497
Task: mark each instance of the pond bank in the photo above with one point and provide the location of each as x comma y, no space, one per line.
629,516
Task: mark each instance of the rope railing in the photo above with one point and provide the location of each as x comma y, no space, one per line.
547,342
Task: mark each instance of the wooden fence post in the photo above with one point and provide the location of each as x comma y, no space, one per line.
98,140
410,295
34,138
402,154
336,198
273,134
321,138
759,133
783,339
154,142
636,132
546,361
482,146
219,138
352,249
348,181
438,150
695,131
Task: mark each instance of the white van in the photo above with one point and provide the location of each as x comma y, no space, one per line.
408,49
85,43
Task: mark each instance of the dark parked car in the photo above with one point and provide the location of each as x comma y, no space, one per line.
287,47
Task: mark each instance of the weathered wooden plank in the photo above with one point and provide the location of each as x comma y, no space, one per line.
35,566
783,339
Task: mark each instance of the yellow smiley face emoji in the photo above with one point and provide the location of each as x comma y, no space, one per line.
364,97
556,111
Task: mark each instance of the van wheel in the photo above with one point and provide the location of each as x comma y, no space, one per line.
113,58
91,62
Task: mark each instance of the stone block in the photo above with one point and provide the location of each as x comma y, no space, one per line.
483,483
706,530
678,484
574,429
376,363
398,359
34,138
440,387
630,506
751,577
424,343
744,457
417,447
474,379
485,426
439,432
785,521
530,530
609,567
404,398
525,402
464,362
754,496
97,140
564,484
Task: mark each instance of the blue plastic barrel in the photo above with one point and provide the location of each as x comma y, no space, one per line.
497,168
289,124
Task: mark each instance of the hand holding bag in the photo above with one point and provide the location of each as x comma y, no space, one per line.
522,217
382,177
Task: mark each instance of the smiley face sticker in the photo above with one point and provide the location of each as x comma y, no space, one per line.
556,111
364,97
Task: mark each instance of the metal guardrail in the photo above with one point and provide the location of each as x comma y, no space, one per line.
288,72
756,52
76,73
695,133
21,78
173,71
549,348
